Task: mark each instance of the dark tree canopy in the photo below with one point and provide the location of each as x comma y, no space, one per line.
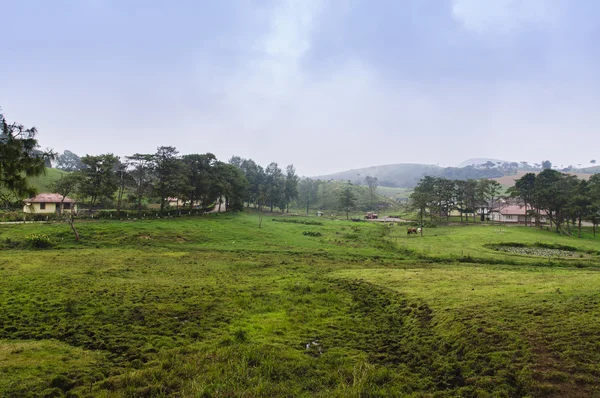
20,157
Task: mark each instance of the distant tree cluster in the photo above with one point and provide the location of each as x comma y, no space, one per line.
165,177
439,196
564,198
191,181
268,186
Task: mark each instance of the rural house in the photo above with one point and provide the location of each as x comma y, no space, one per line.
46,203
513,214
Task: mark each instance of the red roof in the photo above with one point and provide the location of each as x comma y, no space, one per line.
49,198
514,210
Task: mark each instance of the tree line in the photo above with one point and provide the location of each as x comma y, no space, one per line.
439,196
194,180
565,199
106,180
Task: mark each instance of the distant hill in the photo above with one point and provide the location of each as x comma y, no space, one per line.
480,161
403,175
407,175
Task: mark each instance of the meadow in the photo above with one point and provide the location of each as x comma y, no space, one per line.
213,306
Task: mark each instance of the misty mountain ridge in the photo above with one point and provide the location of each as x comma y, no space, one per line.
481,161
407,175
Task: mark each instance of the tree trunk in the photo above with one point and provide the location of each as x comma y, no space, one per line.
72,224
307,205
579,228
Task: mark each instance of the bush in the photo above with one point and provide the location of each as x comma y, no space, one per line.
38,241
303,222
312,233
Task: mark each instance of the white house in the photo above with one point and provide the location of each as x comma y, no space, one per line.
513,214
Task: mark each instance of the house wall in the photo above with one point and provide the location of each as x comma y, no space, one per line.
513,218
35,208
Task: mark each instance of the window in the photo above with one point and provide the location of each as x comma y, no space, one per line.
42,206
67,206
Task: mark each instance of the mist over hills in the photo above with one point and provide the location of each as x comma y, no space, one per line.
480,161
407,175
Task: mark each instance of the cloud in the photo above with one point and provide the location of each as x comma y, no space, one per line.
273,73
503,16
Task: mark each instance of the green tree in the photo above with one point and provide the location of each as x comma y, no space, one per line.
307,193
291,186
230,184
423,196
275,186
347,200
170,175
124,179
372,185
446,193
552,194
546,164
66,185
20,158
490,191
141,176
460,201
524,189
98,178
255,175
200,178
580,203
594,194
472,197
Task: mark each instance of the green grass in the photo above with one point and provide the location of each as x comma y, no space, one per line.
392,192
214,306
43,182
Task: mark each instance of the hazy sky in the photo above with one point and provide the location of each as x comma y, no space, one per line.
327,85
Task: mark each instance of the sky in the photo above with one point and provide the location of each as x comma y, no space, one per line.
326,85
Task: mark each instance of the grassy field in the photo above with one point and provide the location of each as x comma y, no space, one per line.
215,306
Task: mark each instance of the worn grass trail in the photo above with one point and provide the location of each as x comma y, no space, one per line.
214,306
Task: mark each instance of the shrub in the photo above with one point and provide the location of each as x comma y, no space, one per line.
38,241
304,222
312,233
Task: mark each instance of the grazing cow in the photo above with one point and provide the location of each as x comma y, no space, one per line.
419,230
411,231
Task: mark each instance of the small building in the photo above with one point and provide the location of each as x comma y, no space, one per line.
514,214
175,202
46,203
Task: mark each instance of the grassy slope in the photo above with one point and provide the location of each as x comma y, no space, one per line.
42,183
394,192
214,306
